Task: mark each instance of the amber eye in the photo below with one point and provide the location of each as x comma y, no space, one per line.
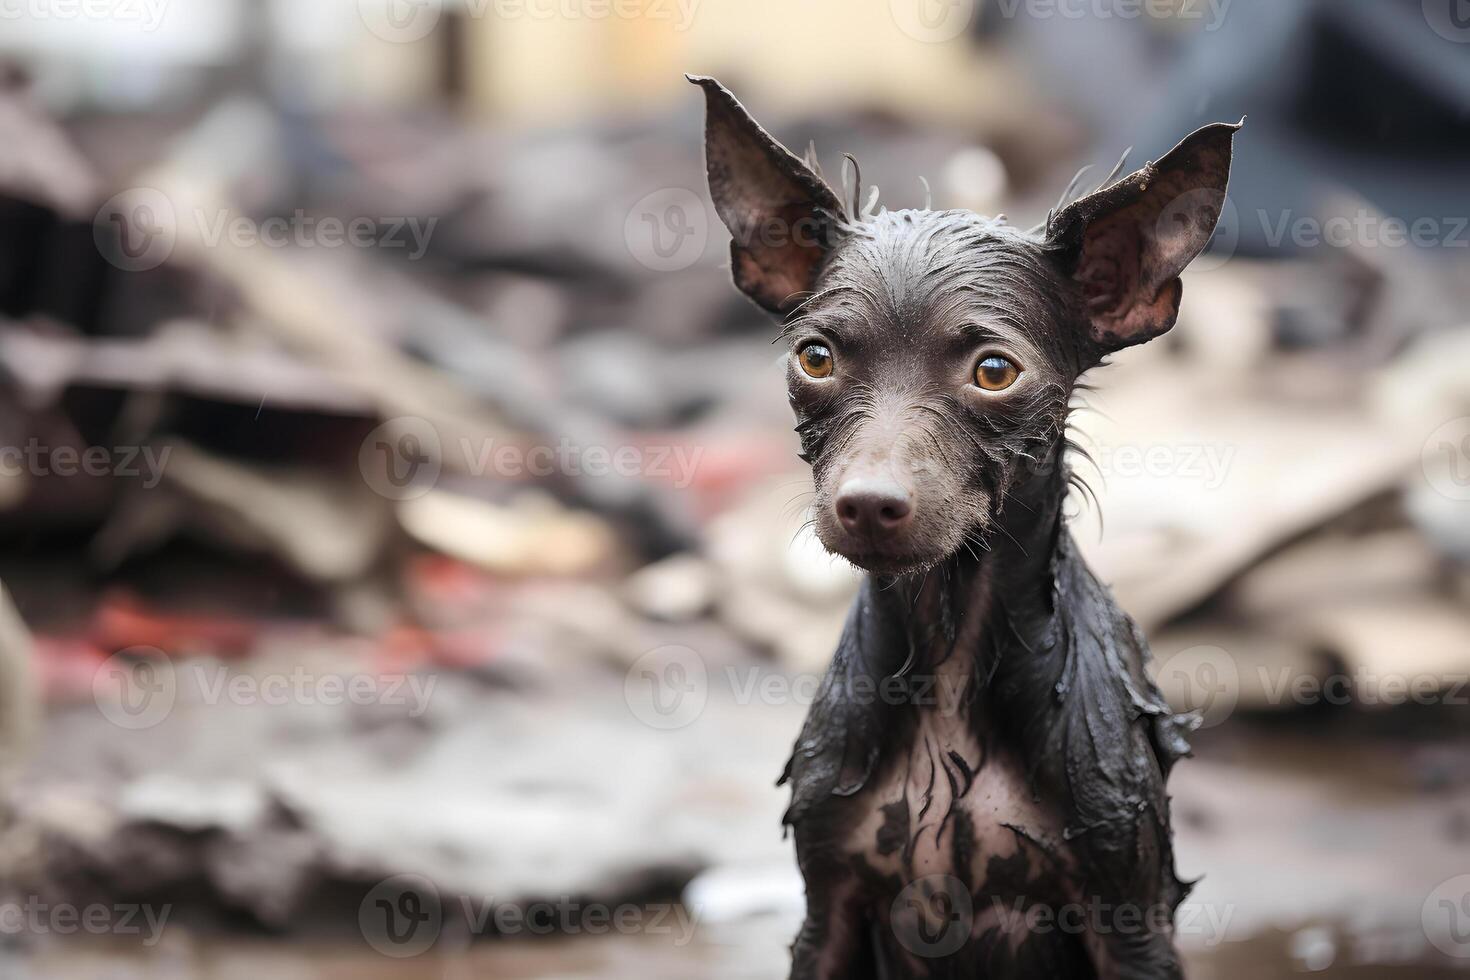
815,360
995,373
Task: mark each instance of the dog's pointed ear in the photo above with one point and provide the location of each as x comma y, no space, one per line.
780,212
1127,243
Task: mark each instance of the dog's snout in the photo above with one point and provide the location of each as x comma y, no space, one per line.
867,507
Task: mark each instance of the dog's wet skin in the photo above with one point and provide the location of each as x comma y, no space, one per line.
999,810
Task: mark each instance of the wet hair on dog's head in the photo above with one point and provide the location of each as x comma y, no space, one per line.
933,354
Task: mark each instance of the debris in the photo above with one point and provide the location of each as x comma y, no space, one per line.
531,535
326,530
19,690
1285,512
676,589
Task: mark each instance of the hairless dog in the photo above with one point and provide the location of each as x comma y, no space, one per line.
979,788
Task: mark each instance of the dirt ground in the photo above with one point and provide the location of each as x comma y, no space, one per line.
1324,835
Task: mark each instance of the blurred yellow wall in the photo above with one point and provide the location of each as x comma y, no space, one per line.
780,54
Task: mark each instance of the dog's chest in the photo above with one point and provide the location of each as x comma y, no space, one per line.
949,800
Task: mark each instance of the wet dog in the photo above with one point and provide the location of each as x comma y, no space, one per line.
979,789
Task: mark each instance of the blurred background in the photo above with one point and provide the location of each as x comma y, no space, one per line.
400,518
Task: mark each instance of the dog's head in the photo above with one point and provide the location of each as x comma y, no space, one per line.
933,353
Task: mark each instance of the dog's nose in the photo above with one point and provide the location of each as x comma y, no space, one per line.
866,507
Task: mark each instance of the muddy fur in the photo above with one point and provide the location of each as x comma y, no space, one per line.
987,753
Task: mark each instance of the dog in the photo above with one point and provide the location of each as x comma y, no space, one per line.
979,787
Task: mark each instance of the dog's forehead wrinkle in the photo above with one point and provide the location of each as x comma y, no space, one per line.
940,273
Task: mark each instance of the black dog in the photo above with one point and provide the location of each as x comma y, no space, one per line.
979,789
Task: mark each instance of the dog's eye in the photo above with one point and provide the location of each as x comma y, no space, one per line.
995,373
815,360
